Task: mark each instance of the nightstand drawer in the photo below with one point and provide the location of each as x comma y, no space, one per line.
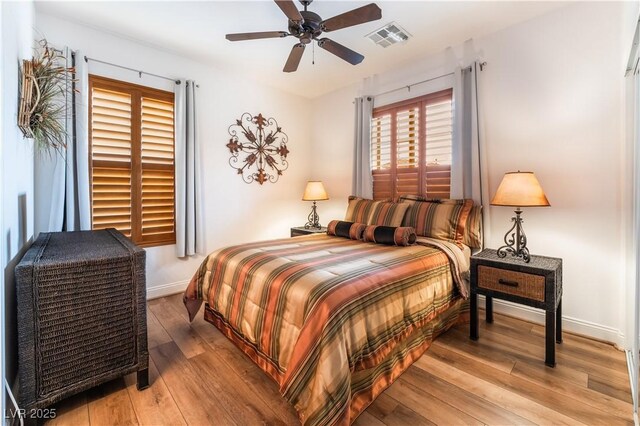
511,282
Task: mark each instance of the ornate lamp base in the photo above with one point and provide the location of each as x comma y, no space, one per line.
515,237
314,219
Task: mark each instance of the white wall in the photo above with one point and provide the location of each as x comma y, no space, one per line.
17,170
552,102
235,212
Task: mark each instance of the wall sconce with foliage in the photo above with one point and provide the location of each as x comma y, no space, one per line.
258,148
45,85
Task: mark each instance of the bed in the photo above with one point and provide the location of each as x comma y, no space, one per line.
334,321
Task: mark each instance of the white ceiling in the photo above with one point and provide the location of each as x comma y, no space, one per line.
197,30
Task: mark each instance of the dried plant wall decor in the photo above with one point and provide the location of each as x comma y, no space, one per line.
258,148
45,84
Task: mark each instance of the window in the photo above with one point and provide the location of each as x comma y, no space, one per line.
131,160
411,147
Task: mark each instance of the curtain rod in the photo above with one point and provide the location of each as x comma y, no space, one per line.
87,59
409,86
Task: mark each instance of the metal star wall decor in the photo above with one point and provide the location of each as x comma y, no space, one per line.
258,148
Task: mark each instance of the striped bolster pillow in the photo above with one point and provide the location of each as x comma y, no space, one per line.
344,229
396,236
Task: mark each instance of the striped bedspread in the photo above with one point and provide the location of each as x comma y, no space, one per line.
334,321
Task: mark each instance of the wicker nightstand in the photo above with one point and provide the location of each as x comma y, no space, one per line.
301,230
537,284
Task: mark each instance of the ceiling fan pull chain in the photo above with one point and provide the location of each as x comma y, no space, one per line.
313,54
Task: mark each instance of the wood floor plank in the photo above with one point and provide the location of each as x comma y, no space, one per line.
480,352
482,410
239,400
577,409
501,379
513,401
581,341
561,373
429,407
577,349
256,379
181,333
544,376
528,354
366,419
156,334
536,351
109,404
402,415
71,411
610,388
190,392
382,406
154,405
507,321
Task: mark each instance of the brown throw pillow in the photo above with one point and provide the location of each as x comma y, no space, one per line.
344,229
391,235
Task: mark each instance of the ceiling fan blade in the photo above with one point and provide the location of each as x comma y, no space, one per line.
368,13
290,9
294,58
340,51
255,36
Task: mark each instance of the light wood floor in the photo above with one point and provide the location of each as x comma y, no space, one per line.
198,377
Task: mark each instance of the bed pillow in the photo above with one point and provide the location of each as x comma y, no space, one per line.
387,214
442,219
473,229
344,229
375,212
360,209
391,235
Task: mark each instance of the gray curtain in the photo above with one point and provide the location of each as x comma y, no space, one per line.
188,218
468,176
362,181
62,179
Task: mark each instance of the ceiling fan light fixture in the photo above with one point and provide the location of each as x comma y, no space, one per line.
307,26
390,34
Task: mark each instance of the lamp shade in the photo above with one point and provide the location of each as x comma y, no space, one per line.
314,191
520,189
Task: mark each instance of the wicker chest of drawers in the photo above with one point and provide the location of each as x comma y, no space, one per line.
81,314
537,284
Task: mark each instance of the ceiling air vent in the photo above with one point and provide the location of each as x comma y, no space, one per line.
391,33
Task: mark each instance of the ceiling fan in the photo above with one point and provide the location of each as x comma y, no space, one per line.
308,26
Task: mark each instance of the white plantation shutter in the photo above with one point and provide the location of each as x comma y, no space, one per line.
408,170
439,138
111,160
381,156
132,161
158,194
411,147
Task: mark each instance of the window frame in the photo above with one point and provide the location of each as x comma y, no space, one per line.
137,92
420,103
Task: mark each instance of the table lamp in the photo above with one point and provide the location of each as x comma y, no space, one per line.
314,191
518,189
